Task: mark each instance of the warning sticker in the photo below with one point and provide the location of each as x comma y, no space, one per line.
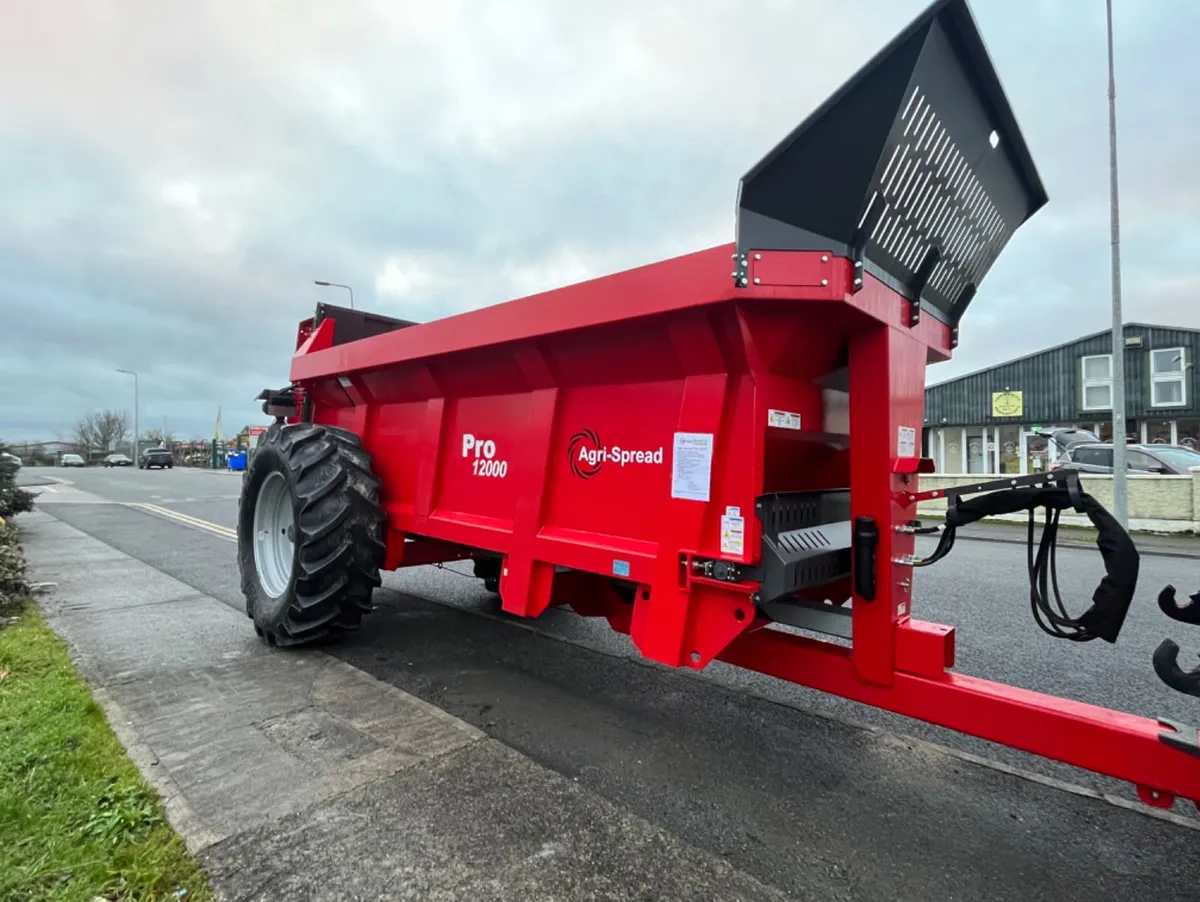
733,532
906,442
783,419
691,465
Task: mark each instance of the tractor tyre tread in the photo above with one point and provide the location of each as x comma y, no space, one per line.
338,538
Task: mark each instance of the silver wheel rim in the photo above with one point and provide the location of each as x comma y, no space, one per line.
274,531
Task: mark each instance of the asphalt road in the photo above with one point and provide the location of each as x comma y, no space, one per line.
716,756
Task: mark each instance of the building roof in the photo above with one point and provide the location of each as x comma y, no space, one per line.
1064,344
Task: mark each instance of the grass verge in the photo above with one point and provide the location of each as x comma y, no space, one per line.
77,820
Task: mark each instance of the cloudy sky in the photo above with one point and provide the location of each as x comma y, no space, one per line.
176,175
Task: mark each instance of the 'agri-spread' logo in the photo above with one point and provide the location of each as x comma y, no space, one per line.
587,455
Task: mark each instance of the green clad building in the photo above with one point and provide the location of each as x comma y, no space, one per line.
987,421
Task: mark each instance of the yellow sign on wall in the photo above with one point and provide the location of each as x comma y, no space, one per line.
1008,403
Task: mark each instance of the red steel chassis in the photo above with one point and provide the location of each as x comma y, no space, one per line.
694,356
620,432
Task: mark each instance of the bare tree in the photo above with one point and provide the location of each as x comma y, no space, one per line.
81,437
102,430
159,435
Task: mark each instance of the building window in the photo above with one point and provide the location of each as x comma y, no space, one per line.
1158,432
977,453
1188,433
1097,382
1167,388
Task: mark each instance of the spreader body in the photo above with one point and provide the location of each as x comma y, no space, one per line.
719,450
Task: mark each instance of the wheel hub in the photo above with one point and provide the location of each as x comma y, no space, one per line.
274,535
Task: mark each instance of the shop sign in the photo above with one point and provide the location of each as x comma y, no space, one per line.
1008,403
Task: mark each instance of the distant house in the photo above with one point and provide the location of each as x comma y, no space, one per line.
247,438
986,421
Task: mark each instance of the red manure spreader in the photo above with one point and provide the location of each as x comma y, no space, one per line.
718,453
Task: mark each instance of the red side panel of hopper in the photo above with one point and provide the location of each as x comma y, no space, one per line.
616,445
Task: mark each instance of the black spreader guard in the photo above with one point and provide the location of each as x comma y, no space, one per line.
915,168
353,325
805,541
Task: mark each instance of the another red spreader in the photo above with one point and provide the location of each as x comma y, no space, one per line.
716,449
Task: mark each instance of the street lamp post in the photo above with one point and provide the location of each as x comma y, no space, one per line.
1120,487
338,285
135,410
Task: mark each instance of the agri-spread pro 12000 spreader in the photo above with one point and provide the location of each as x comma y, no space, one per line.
708,448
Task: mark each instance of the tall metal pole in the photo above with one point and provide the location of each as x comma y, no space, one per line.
135,411
338,285
1120,488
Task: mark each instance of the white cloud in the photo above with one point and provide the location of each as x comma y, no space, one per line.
185,196
179,174
405,276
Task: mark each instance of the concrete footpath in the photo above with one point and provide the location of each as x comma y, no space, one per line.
294,776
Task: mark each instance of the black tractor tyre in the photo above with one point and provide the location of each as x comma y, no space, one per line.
335,522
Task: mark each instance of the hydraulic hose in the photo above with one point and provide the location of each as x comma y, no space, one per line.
1111,599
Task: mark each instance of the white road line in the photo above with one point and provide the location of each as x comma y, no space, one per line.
223,532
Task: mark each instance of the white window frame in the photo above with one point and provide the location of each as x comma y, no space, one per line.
1180,376
1094,383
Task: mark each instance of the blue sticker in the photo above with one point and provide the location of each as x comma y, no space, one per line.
621,568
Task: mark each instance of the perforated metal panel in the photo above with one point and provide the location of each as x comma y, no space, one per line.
916,166
805,541
930,198
789,512
811,539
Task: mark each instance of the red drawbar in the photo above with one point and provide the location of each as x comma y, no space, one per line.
1107,742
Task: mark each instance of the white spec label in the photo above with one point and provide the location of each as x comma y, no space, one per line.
733,532
691,466
783,419
482,454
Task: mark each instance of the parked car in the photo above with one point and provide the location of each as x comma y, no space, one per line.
71,460
156,457
1097,457
118,460
1064,437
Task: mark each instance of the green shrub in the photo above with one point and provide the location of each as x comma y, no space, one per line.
13,499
